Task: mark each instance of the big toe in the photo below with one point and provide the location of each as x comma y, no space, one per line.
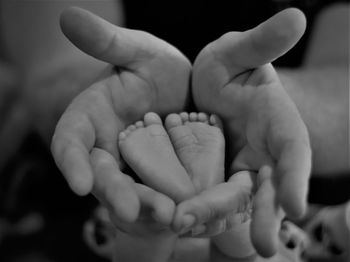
173,120
152,118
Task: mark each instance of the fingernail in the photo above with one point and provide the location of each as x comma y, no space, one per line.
187,222
197,230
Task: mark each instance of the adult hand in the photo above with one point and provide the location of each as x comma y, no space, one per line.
233,78
148,75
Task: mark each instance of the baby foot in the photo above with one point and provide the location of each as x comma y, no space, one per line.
147,148
199,143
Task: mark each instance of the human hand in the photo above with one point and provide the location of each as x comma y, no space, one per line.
149,236
148,75
233,78
222,212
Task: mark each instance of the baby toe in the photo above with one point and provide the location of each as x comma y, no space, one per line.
139,124
193,116
203,117
122,135
152,119
131,128
184,116
173,120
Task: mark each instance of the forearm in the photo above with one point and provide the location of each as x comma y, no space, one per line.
322,97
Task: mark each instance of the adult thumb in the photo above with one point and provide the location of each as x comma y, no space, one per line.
241,51
105,41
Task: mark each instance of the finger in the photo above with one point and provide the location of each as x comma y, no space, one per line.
73,139
105,41
113,188
162,207
293,171
267,215
215,203
97,105
241,51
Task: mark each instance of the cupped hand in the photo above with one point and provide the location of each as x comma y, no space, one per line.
233,78
147,75
150,231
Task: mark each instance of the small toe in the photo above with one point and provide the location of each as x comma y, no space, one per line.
127,132
184,116
139,124
122,135
152,119
203,117
214,120
173,120
131,128
193,116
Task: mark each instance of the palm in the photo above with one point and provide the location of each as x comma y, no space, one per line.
233,78
263,115
149,75
123,96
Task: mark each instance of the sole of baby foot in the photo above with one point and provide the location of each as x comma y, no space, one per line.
199,143
147,149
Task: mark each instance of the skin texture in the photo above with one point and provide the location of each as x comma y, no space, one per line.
122,96
150,232
147,148
150,75
151,149
233,78
200,146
